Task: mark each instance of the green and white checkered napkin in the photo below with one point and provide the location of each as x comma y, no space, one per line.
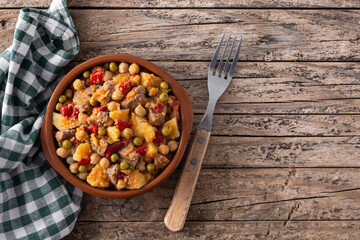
35,202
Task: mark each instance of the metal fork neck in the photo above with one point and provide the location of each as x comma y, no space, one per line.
206,121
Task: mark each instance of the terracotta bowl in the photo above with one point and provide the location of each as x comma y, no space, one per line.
47,132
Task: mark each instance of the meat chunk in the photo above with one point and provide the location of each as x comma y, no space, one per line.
160,161
103,94
134,101
112,173
129,155
99,144
174,104
81,99
65,135
156,119
100,117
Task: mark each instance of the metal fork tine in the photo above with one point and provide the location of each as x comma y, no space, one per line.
216,54
232,69
228,59
222,56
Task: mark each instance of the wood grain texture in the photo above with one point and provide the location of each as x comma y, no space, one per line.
264,152
187,4
245,194
192,34
314,230
284,125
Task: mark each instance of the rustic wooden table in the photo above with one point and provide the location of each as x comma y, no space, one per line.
283,160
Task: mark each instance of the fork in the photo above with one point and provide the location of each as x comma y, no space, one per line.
217,83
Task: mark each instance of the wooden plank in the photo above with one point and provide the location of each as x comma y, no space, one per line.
275,88
284,125
192,34
315,230
260,152
188,4
244,194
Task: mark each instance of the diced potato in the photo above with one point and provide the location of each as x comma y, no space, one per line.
114,133
151,150
119,78
150,80
97,177
141,128
175,133
94,139
136,180
120,115
82,151
64,123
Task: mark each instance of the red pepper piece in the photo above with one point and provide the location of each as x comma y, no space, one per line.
94,128
159,107
159,138
121,125
84,161
98,109
66,110
125,87
87,130
141,150
116,147
121,175
75,112
133,75
96,77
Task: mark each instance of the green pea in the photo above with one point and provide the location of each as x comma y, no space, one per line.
82,169
114,157
86,74
124,165
150,167
93,102
164,86
113,67
164,97
58,106
62,98
138,141
166,130
102,131
66,144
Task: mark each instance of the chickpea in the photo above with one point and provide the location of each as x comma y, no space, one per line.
94,158
83,118
164,149
74,168
123,67
173,145
117,95
135,80
108,75
109,122
112,106
127,133
68,93
140,111
78,84
82,176
81,135
62,152
153,92
69,160
120,184
104,163
134,68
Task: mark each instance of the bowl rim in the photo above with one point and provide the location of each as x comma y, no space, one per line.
48,143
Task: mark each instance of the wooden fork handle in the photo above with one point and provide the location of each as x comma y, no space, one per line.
176,215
